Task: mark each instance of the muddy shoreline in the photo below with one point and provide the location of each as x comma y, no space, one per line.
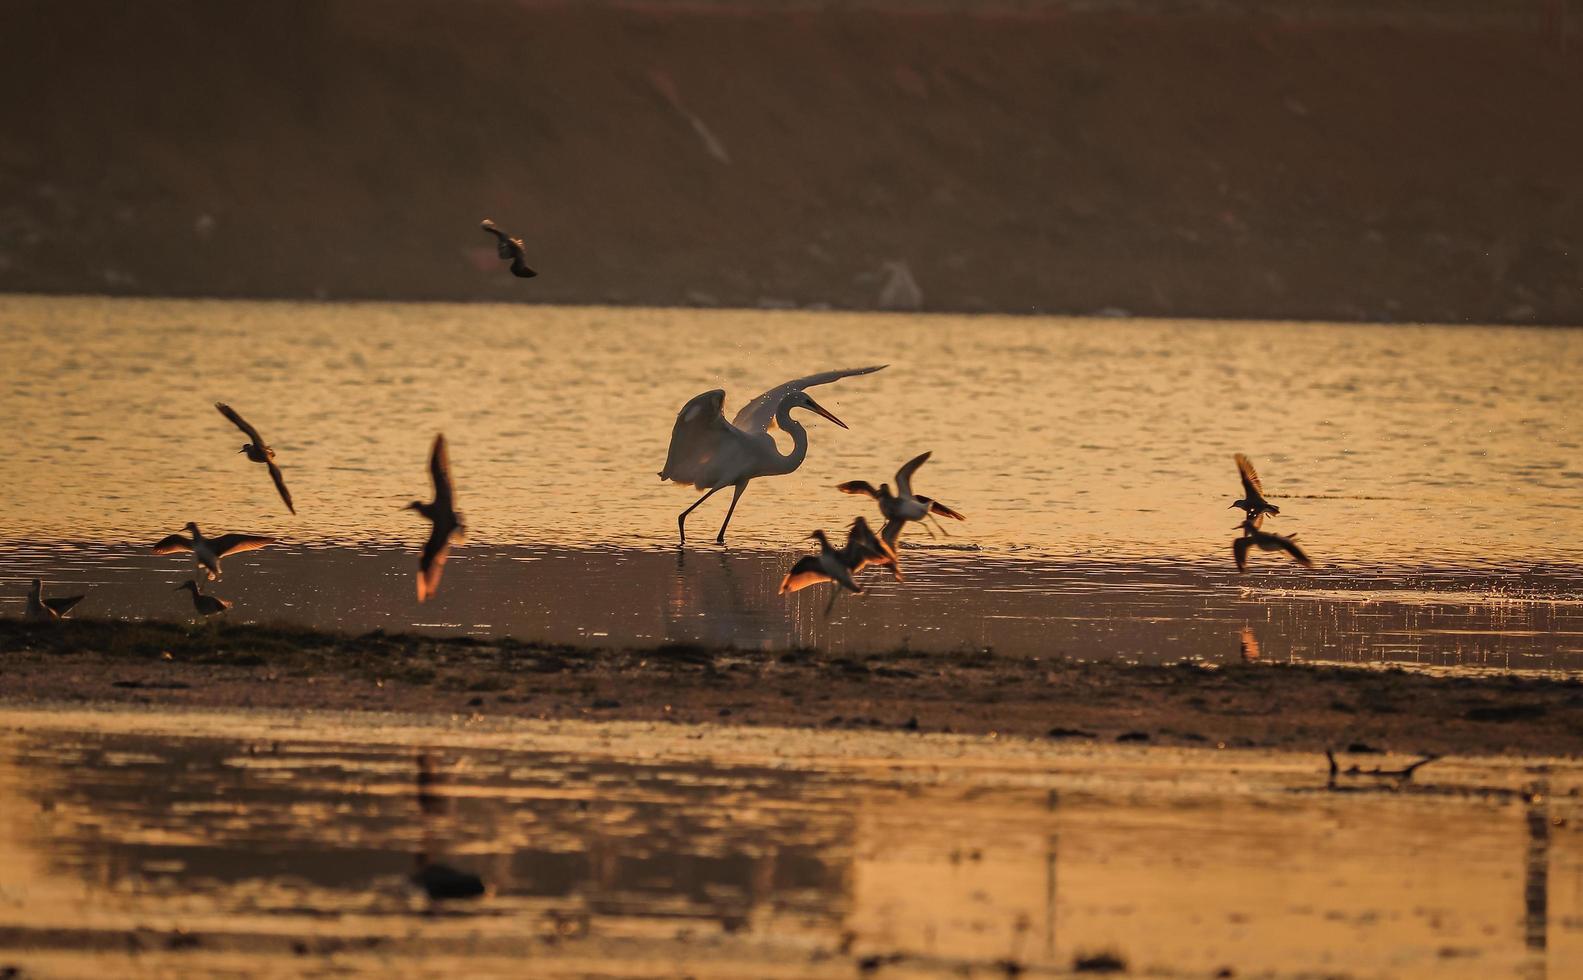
1299,708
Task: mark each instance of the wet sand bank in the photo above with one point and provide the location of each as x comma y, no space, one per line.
163,841
1299,708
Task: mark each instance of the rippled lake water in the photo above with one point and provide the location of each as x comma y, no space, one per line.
1432,472
148,844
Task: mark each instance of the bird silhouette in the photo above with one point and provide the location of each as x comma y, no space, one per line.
838,565
42,610
902,506
711,454
258,451
204,605
441,513
509,248
207,552
1253,537
1252,491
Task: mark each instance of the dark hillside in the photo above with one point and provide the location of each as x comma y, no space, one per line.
1198,162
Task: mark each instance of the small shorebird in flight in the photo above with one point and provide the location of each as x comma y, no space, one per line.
838,565
442,514
207,552
712,454
901,506
1252,537
42,610
509,248
204,605
258,451
1252,491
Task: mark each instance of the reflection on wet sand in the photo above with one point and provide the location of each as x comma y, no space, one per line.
1139,611
159,843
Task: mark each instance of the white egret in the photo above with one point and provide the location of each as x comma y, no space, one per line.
42,610
1252,491
1252,537
509,248
901,506
257,451
712,454
207,552
442,514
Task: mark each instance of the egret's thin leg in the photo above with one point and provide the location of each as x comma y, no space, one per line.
681,520
939,525
735,496
836,594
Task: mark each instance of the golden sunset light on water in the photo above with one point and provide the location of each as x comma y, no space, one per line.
766,488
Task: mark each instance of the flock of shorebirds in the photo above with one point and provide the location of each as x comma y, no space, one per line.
706,452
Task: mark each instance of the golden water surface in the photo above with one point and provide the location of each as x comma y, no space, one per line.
1433,473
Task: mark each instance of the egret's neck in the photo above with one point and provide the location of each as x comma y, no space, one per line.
799,435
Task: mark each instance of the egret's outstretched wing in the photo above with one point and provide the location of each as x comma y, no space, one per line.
280,485
904,475
230,544
758,414
240,423
1251,486
64,604
861,487
172,544
1239,550
706,450
440,474
803,574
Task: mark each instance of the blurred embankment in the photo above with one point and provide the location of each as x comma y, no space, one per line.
1329,160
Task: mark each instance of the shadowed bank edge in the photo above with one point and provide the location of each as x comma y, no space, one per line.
1302,708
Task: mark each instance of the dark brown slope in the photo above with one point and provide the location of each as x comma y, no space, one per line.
1029,159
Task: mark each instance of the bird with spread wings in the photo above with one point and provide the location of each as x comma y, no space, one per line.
711,454
258,451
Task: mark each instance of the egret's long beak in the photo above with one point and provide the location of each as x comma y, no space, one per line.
815,406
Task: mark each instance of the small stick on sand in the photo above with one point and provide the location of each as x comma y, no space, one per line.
1405,773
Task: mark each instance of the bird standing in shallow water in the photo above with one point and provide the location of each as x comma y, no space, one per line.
509,248
1252,491
42,610
258,452
1252,537
204,605
207,552
712,454
901,506
442,514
